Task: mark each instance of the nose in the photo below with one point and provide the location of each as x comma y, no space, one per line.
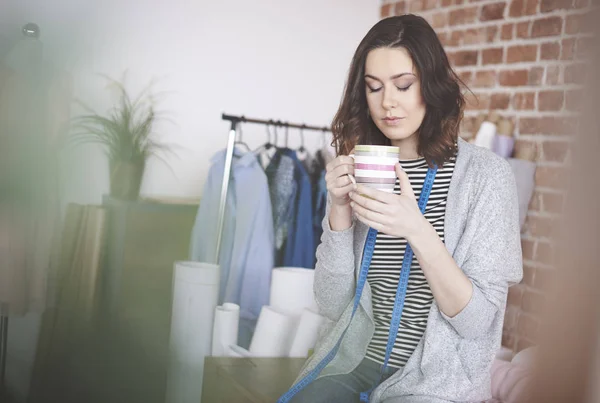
389,100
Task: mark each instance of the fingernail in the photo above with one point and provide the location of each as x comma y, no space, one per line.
352,204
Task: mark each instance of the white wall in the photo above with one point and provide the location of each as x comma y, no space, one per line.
262,58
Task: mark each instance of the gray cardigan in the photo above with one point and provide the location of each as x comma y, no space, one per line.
453,359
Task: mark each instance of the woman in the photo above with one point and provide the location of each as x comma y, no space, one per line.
402,91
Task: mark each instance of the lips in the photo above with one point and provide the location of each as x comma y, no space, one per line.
392,120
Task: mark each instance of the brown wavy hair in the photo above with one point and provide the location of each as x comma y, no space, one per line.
440,88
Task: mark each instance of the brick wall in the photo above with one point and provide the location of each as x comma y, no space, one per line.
523,59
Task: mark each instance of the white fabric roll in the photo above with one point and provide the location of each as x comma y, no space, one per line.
225,329
306,334
525,177
292,290
195,293
485,135
236,351
274,333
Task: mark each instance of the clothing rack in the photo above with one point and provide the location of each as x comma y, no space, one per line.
235,121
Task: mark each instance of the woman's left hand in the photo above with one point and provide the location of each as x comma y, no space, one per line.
389,213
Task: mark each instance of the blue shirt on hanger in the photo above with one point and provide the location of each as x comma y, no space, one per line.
247,247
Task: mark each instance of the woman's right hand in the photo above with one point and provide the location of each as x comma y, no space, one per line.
338,182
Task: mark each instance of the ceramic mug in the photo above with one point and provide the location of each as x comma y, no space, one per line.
375,166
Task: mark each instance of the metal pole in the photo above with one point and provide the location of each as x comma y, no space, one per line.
3,344
225,186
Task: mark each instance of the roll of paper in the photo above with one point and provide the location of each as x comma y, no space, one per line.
306,333
525,177
236,351
274,333
225,330
503,145
292,290
485,135
195,293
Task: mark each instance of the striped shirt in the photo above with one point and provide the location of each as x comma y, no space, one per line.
384,272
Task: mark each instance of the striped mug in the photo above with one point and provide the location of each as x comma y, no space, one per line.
375,166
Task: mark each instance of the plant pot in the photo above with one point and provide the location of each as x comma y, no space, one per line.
126,179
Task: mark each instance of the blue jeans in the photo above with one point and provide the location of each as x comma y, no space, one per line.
344,388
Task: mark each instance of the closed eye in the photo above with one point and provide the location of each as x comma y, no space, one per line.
375,89
403,88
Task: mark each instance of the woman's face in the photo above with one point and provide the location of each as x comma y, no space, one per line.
394,94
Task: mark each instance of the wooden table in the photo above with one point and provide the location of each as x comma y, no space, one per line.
248,380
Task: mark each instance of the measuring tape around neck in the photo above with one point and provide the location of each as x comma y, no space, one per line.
362,279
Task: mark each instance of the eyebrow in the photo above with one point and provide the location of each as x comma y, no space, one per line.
391,78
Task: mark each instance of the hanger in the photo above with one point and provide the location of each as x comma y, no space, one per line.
240,142
302,154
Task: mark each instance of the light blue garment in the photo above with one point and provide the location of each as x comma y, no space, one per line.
247,254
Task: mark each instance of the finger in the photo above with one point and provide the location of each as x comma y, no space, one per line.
373,224
343,170
342,181
343,191
405,186
369,214
341,160
367,203
383,197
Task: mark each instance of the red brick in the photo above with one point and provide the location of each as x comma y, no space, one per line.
568,49
465,15
439,20
513,78
493,11
519,8
528,249
511,317
524,101
485,78
535,76
547,6
544,254
400,8
386,10
575,74
528,275
555,151
507,32
544,27
527,326
464,58
466,77
573,24
473,36
456,38
467,125
547,125
550,177
509,340
416,6
521,53
515,295
553,203
500,101
491,33
430,4
581,3
541,227
553,75
550,51
573,100
535,204
477,102
444,38
492,56
533,302
550,100
523,29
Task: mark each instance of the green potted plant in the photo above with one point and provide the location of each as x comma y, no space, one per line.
126,133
